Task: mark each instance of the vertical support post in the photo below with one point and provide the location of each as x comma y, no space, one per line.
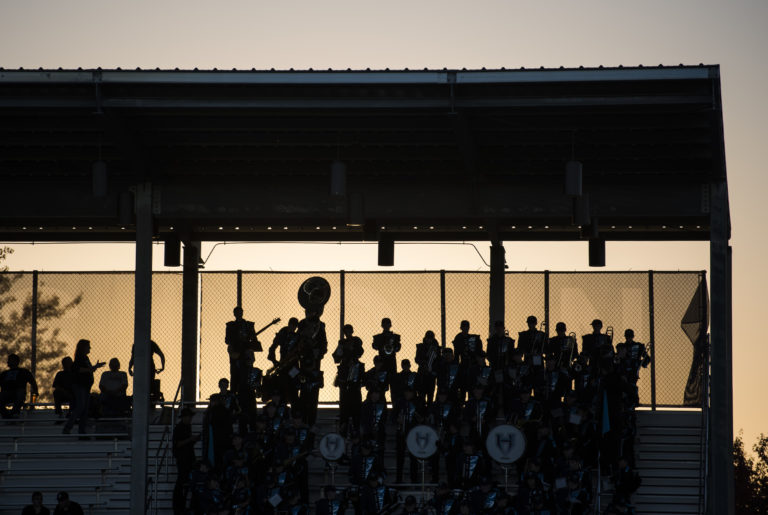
652,337
190,309
33,335
721,486
442,309
342,300
142,351
546,302
239,287
496,300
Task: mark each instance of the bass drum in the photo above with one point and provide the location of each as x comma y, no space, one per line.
422,441
505,444
332,446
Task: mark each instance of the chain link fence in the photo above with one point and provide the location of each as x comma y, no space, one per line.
100,307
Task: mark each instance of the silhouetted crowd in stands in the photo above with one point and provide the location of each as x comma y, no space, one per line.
575,407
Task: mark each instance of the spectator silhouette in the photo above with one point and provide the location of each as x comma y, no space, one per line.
81,387
36,508
62,385
65,506
14,387
113,386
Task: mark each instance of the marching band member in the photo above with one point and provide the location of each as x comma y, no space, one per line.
408,412
531,342
428,360
388,345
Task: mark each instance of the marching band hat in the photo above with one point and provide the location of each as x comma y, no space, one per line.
596,322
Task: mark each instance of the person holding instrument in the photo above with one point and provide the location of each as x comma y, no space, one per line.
388,345
287,341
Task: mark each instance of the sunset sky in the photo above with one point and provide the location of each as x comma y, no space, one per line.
436,34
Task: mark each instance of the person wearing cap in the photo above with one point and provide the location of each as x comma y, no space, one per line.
387,344
66,506
242,343
531,341
592,343
466,346
562,347
184,453
428,360
36,508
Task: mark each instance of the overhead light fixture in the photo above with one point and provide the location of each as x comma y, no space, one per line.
386,251
172,251
597,252
338,178
573,178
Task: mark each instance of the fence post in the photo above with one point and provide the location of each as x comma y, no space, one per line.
342,305
33,335
652,337
442,308
546,302
239,288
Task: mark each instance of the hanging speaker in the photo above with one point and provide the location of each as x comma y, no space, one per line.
597,252
386,251
172,254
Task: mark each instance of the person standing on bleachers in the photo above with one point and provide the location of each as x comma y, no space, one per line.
62,386
81,387
36,508
14,387
65,506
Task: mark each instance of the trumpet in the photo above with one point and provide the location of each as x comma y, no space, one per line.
609,333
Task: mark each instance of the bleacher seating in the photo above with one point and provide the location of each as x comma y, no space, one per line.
96,473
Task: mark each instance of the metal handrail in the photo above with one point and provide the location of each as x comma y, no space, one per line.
165,443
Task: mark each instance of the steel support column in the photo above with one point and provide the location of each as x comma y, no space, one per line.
142,350
189,320
721,486
496,299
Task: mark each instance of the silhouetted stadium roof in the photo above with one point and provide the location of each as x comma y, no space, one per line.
429,154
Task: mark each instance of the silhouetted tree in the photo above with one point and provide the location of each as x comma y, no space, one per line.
751,477
16,327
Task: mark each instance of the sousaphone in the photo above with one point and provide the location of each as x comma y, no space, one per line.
314,294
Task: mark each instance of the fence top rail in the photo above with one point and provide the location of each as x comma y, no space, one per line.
352,272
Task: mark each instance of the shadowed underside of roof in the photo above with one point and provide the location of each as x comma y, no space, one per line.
432,154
